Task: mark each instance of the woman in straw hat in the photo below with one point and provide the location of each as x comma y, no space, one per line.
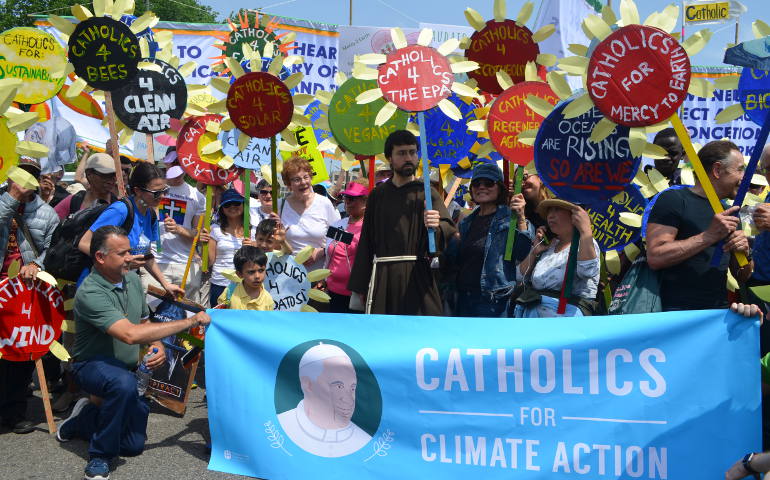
543,269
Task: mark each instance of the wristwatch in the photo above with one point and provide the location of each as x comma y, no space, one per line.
747,465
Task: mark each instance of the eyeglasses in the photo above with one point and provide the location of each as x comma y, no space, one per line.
265,192
155,193
483,182
306,178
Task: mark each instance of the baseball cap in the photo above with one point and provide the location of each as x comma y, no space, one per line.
355,190
488,171
101,162
230,196
30,165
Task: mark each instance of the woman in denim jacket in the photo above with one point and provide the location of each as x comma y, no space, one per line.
485,279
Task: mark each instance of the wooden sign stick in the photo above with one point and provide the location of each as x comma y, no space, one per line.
44,393
115,146
192,251
150,147
452,190
703,178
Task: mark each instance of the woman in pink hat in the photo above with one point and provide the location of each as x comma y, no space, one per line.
341,250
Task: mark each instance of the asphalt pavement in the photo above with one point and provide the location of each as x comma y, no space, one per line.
175,449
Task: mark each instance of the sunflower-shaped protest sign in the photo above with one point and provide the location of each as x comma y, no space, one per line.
504,45
416,78
352,124
104,54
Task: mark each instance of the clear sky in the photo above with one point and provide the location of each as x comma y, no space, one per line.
407,13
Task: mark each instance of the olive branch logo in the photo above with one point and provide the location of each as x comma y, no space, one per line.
275,437
382,445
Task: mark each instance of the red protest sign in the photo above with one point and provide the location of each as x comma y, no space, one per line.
260,104
509,116
30,319
415,78
501,46
192,139
638,76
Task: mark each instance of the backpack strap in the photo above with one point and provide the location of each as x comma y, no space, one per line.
128,223
20,223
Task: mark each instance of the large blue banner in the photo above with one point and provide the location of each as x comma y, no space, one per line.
659,396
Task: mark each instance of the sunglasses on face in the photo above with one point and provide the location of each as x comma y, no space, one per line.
483,182
156,194
265,192
231,204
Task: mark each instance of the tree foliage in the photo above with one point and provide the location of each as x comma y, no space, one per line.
16,13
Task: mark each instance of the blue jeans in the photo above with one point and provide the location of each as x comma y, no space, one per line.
214,292
119,425
476,304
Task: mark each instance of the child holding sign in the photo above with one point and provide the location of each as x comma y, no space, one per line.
250,265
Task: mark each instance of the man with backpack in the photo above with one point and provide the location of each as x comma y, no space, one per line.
101,188
26,226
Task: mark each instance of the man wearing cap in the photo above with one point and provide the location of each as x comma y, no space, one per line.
178,212
392,267
101,186
20,206
321,423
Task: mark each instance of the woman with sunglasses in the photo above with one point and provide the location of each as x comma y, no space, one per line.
486,280
265,196
147,187
305,214
226,237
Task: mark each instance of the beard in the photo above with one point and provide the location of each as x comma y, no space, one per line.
406,170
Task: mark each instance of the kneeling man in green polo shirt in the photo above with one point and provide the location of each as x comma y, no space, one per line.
109,307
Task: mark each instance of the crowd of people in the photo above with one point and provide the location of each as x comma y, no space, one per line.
375,243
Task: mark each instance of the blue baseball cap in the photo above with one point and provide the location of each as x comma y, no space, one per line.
487,170
230,196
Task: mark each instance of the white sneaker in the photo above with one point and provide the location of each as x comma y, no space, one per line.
65,431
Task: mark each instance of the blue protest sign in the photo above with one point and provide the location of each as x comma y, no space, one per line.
333,396
256,153
609,231
314,112
449,141
754,94
577,169
473,159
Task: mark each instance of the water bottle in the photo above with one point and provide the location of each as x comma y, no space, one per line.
143,373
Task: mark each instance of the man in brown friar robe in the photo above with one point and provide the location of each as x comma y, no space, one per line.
392,269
